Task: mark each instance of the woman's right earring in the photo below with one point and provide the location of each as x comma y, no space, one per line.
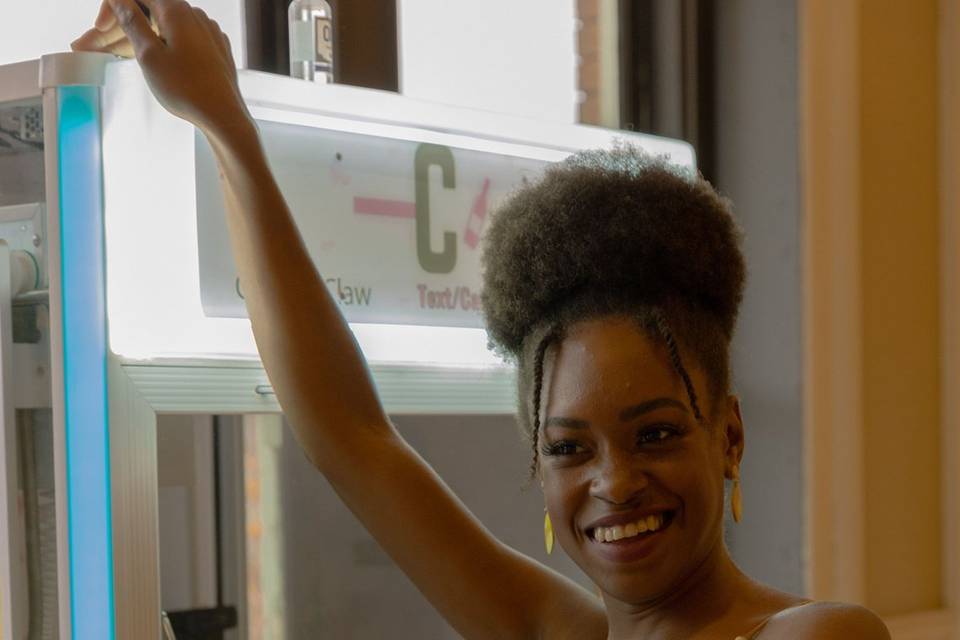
547,531
736,497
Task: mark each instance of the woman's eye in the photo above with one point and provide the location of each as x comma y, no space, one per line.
563,448
656,435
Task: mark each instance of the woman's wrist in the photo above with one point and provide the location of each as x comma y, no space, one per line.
237,128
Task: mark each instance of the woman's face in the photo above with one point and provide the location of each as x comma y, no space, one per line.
622,452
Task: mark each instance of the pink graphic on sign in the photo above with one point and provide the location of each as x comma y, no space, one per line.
382,207
478,215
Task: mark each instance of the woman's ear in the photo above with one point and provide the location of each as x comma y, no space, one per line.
732,426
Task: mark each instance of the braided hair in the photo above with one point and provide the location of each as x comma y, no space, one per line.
612,232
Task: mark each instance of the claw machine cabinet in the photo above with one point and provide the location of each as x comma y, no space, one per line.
120,306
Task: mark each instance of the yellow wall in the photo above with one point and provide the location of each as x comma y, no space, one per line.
900,319
870,112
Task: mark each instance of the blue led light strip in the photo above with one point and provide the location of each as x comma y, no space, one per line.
84,366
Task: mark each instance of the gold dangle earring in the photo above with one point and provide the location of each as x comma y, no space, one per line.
547,531
736,497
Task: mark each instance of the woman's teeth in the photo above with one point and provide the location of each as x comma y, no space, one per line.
619,532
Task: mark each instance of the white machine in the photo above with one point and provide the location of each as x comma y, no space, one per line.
119,303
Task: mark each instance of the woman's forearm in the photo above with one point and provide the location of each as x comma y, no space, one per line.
311,357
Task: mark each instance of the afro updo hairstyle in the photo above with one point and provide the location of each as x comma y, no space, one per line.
612,232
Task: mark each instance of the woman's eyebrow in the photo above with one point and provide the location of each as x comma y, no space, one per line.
566,423
650,405
627,414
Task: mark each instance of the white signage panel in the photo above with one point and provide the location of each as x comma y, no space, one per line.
393,225
154,250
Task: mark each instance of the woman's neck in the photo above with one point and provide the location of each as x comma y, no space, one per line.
702,598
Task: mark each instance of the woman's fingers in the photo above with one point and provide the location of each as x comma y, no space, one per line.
170,16
229,50
219,37
135,26
113,41
105,18
185,57
91,40
121,48
215,33
99,40
106,36
209,25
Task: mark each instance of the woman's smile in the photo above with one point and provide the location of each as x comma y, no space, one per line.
630,536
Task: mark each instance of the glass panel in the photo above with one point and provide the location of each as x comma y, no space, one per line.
191,556
293,560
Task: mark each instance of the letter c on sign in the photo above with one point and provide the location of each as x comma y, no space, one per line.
428,155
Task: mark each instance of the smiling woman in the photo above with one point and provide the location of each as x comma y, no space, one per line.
614,282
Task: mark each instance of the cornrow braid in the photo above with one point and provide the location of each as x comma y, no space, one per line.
664,330
537,392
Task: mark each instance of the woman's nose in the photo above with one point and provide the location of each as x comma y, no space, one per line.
617,479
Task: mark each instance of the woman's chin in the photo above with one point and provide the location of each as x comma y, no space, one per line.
636,586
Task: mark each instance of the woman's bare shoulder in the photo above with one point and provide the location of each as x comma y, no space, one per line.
825,621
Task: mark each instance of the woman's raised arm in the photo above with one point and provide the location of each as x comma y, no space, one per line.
320,377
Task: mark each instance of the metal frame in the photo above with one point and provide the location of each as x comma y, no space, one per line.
235,387
14,602
78,341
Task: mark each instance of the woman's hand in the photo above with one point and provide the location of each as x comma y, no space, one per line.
185,58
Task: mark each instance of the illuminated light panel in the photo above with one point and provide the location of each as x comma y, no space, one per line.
153,277
84,354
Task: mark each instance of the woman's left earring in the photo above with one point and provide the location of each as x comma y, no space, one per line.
547,531
736,497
